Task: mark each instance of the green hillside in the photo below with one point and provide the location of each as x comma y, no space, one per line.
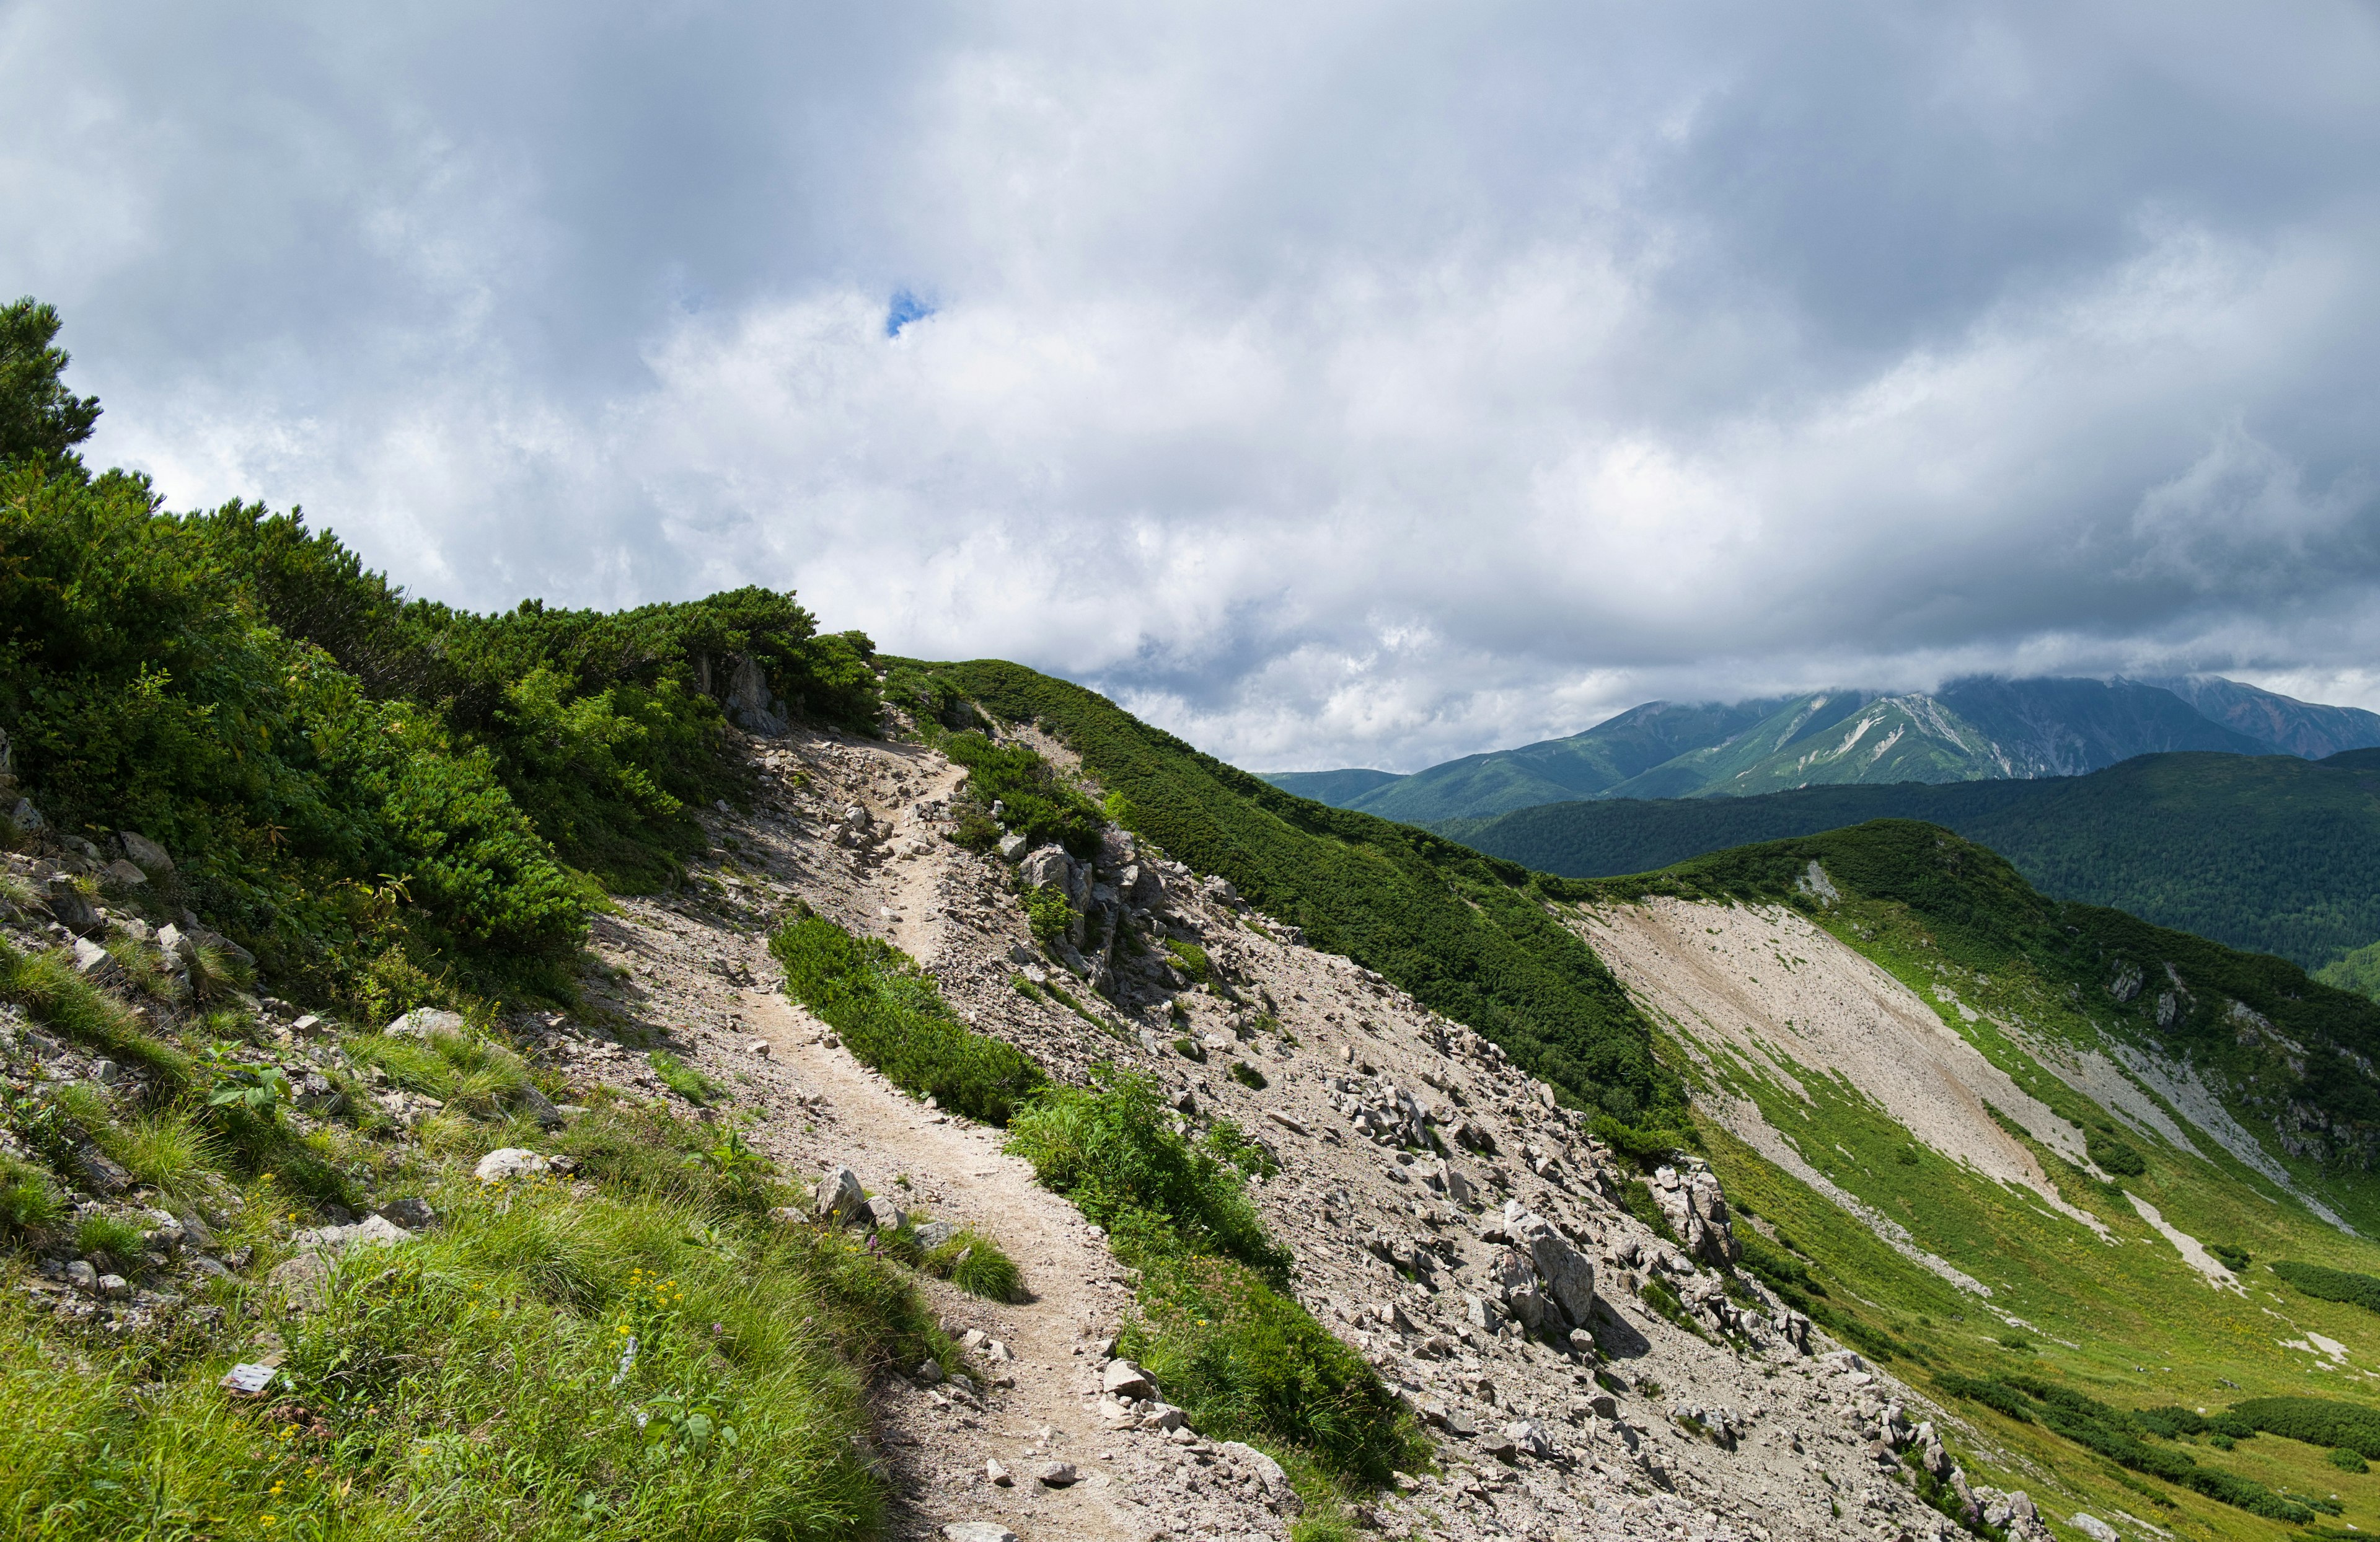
1466,935
1583,765
1982,728
2269,853
2100,1367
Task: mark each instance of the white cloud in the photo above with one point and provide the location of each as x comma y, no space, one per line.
1334,387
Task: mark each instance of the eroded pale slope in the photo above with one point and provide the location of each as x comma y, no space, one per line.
1764,987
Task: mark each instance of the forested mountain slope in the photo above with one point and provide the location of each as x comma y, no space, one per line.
2269,853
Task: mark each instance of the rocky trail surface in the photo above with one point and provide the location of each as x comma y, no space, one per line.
1581,1375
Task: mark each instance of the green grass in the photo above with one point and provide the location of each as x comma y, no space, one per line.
54,996
892,1017
682,1078
469,1385
109,1236
977,1264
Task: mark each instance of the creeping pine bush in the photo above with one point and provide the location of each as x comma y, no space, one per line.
1034,800
889,1012
2331,1284
1112,1148
2117,1435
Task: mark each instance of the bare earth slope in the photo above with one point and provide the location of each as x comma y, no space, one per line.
1744,1426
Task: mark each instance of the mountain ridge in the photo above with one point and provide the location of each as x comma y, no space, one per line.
1978,728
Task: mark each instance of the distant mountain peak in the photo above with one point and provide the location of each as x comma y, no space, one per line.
1974,728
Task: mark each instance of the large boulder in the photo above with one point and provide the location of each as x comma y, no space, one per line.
510,1162
144,852
423,1020
840,1200
1047,868
70,906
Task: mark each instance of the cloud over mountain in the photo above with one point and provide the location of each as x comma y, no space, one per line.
1349,384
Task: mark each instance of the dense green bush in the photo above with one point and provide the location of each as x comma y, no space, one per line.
2115,1435
2316,1421
1035,801
891,1016
2331,1284
2114,1155
1247,1360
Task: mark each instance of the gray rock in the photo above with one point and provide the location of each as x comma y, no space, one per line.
1528,1439
143,851
927,1373
1047,868
535,1104
27,818
303,1283
413,1214
1256,1465
933,1234
1011,846
978,1531
1124,1379
69,905
1569,1278
94,962
99,1170
423,1020
1058,1475
121,874
839,1200
113,1287
510,1162
2093,1527
374,1231
82,1277
883,1214
999,1474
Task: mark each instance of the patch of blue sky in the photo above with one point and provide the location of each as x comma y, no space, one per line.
905,307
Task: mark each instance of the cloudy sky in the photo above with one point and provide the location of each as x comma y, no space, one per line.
1334,384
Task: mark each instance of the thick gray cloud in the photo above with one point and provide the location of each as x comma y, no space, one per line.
1332,383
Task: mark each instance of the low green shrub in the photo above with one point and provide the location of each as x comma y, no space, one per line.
2115,1435
2315,1421
2114,1155
1191,959
1047,914
1247,1075
1035,801
2348,1459
2325,1283
889,1012
2231,1256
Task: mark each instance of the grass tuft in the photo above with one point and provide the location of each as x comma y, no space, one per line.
889,1012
